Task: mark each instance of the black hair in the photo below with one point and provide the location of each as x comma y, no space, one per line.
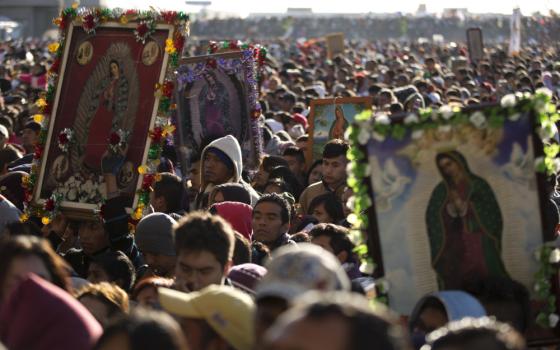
242,250
278,200
315,164
170,187
335,148
296,152
201,231
284,173
332,206
340,241
146,329
270,162
118,267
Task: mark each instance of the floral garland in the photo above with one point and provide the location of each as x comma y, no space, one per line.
90,19
186,75
381,127
259,52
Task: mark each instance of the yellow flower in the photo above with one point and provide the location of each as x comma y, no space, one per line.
57,21
25,179
41,103
169,47
23,217
53,47
157,177
45,220
168,129
142,169
124,19
75,5
38,118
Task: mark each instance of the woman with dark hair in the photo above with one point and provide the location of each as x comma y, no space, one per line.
464,224
20,255
315,173
114,267
327,209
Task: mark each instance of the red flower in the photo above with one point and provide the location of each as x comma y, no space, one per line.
27,195
233,45
114,139
167,89
55,67
142,30
156,134
130,12
169,16
63,138
38,152
212,63
147,182
49,204
213,47
179,42
89,22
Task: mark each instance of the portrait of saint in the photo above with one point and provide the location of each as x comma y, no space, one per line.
110,103
464,225
339,125
85,53
214,106
150,53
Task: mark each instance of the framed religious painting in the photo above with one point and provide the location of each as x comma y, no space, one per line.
329,118
109,97
454,202
217,96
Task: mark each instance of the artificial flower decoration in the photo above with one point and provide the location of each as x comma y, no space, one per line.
65,139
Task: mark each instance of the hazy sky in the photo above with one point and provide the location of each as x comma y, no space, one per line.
244,7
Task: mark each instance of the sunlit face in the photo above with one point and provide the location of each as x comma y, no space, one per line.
18,270
194,175
295,166
215,171
114,70
334,171
198,269
320,213
267,222
92,237
316,174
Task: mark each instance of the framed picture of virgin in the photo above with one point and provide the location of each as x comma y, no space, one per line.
458,205
103,103
217,96
329,118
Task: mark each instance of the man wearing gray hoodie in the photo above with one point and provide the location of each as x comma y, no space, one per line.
221,163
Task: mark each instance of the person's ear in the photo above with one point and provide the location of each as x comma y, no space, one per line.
285,227
227,267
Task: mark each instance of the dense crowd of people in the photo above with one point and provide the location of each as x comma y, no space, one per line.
261,262
369,28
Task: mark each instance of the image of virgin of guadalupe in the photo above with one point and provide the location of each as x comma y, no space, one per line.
464,225
339,125
214,105
109,104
